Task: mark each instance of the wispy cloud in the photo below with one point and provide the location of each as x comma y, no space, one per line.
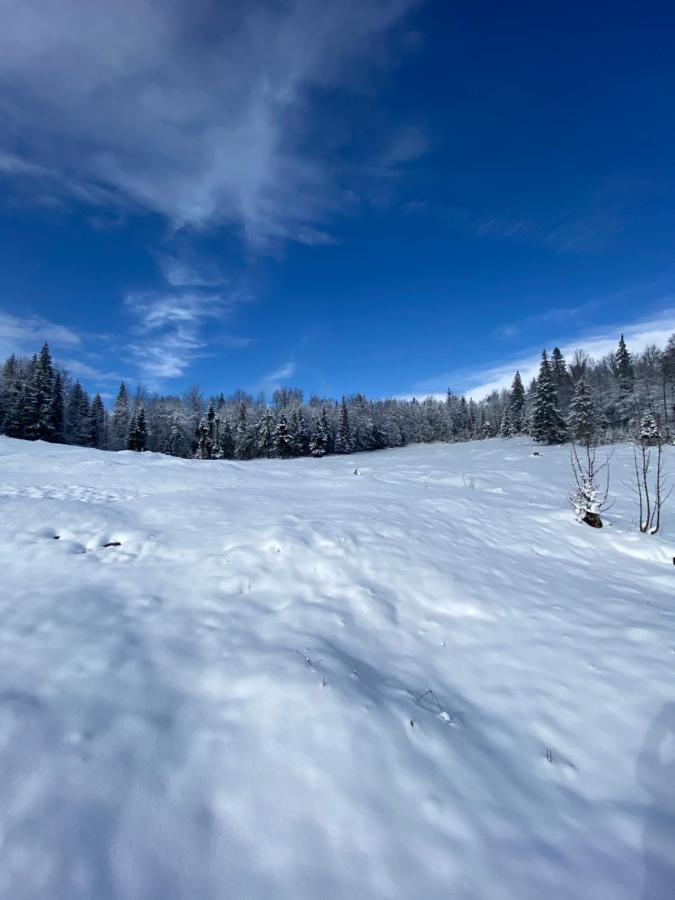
273,380
197,111
481,381
168,330
25,334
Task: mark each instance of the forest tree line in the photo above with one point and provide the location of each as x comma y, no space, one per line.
616,398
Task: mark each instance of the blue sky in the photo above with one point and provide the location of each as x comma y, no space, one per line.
379,195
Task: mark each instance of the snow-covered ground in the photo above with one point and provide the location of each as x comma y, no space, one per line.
224,706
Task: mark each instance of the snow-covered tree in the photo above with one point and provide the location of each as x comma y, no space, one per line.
97,426
245,438
547,425
343,437
265,445
119,421
320,438
283,440
581,419
137,438
77,416
517,405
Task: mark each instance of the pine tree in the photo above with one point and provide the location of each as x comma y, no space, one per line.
97,426
226,440
41,427
175,441
517,404
298,431
244,441
343,437
119,423
57,410
283,441
266,434
506,427
137,438
319,441
10,398
581,420
561,379
77,416
208,445
623,366
625,378
547,423
649,429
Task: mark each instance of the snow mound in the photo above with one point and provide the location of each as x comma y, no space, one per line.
277,680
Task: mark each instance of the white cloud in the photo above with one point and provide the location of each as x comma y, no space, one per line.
193,110
168,330
480,382
25,334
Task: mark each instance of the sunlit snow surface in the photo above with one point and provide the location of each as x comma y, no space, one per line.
224,706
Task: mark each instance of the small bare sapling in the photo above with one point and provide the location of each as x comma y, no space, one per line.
590,496
648,475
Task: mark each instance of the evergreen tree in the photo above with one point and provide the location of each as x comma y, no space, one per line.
581,420
517,405
57,410
208,445
547,423
625,379
119,423
266,434
175,442
343,437
283,441
97,427
244,442
561,379
226,440
77,416
298,432
506,428
320,437
137,438
624,371
649,429
41,427
10,398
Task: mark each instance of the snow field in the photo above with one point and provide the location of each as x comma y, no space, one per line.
425,680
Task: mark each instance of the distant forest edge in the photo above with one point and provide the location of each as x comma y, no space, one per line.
619,397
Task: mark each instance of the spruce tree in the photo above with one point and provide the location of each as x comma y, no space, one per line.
283,441
244,441
266,434
649,429
119,423
318,444
506,428
517,405
97,427
137,439
581,419
547,423
10,398
57,411
175,441
41,427
77,416
226,440
343,436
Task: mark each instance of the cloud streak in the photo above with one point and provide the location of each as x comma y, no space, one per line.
479,382
196,111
